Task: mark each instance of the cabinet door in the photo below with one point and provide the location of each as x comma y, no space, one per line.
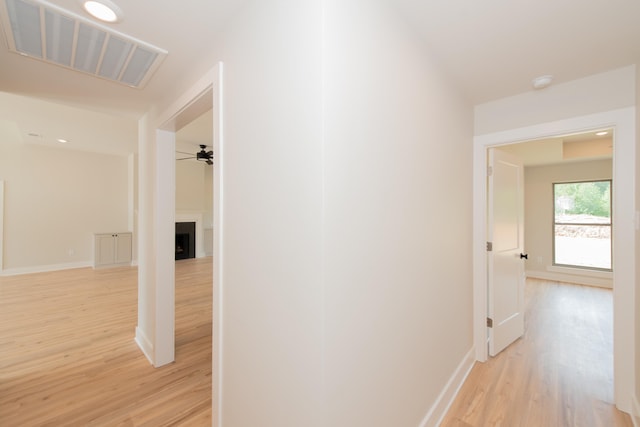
105,249
123,248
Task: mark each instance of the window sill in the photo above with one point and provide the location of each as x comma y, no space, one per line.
581,272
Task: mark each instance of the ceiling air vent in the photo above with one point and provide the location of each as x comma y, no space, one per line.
41,30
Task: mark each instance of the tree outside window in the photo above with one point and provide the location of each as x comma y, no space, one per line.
582,225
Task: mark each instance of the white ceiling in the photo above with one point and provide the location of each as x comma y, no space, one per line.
491,48
494,48
183,28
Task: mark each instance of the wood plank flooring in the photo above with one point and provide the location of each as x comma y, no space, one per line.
67,355
560,374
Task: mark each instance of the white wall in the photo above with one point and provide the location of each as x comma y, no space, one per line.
398,151
208,212
147,277
272,314
55,199
133,203
190,186
539,218
637,240
347,220
208,198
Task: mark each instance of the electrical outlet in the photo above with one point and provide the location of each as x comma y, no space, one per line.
72,252
539,260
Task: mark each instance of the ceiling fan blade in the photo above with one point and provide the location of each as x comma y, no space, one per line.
209,162
186,158
182,152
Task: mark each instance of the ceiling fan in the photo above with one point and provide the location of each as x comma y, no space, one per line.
202,155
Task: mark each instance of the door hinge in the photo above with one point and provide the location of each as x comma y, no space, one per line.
489,246
489,322
489,171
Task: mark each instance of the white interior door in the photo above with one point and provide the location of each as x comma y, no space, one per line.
506,263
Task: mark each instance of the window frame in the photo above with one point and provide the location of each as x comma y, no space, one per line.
554,224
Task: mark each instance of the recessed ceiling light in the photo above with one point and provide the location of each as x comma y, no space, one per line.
604,132
62,141
103,10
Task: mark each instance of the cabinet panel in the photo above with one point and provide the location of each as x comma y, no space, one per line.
112,249
123,248
105,248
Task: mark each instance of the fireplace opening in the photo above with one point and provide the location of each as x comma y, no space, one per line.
185,240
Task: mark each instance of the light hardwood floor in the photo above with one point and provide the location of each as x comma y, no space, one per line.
560,374
67,355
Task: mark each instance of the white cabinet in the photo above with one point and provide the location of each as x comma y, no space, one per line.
112,249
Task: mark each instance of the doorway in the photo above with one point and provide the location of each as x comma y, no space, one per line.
156,302
623,121
568,206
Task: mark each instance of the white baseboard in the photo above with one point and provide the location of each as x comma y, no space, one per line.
570,278
439,409
144,344
635,416
45,268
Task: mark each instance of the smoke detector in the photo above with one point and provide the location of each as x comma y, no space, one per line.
542,82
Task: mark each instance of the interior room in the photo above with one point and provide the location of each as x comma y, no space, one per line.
194,181
339,266
563,159
567,344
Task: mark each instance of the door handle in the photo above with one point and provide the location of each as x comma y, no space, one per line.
525,256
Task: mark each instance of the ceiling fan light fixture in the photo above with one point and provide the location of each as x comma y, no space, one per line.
201,156
204,156
104,10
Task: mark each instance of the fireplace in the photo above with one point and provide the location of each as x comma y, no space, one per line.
185,240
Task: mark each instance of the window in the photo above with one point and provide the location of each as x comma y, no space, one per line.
582,225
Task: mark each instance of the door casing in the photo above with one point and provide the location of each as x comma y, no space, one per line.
623,121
